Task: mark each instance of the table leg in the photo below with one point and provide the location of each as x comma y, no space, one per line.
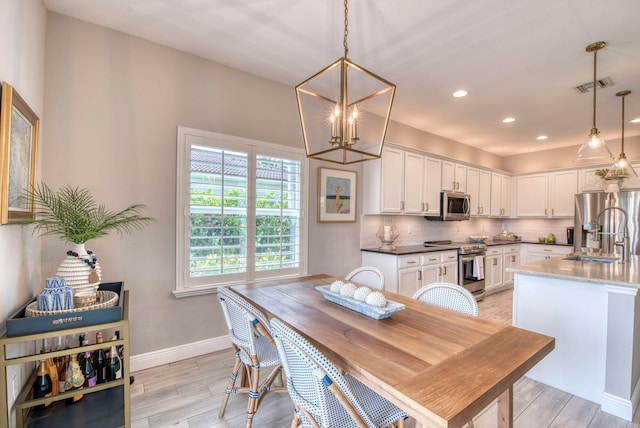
505,409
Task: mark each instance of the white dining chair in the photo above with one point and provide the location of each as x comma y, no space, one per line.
250,335
450,296
367,275
321,394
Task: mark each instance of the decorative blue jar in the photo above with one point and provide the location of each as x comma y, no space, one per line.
56,296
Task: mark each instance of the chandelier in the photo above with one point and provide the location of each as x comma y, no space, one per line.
339,102
594,147
621,168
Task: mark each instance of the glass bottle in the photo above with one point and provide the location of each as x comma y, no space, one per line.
62,373
114,366
42,387
75,379
88,371
100,361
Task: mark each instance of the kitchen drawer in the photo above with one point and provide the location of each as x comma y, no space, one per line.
409,261
449,256
494,251
431,259
511,249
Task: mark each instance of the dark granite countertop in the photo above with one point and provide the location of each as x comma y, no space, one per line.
403,250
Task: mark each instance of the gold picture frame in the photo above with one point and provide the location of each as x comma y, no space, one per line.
19,130
337,195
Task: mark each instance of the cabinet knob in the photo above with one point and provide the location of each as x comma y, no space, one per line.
545,211
553,211
427,206
495,262
411,262
402,205
444,270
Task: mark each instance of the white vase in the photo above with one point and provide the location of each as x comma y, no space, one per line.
77,273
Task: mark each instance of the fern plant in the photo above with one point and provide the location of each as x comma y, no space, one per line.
73,214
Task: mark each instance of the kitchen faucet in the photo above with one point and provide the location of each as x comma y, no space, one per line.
624,243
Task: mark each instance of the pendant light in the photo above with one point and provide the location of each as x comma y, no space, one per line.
621,169
594,147
335,104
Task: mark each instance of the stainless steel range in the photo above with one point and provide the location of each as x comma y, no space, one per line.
470,264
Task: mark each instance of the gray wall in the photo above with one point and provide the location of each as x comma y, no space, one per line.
22,43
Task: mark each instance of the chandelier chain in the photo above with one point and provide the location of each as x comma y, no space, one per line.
346,29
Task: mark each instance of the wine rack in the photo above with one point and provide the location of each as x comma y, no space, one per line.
104,405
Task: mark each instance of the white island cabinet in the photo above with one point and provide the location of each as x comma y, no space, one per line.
593,311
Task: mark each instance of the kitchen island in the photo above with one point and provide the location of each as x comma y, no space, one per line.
592,308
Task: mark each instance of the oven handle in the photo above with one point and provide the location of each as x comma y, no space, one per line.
467,257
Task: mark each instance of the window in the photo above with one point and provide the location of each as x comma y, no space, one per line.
240,206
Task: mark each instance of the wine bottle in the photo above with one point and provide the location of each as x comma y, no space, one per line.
62,373
114,366
100,361
75,379
88,371
42,386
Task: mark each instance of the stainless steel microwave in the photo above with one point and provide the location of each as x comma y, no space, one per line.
453,207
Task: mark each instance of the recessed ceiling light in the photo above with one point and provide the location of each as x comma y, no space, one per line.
636,120
508,119
541,137
460,93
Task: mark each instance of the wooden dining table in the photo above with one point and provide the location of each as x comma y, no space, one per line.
441,366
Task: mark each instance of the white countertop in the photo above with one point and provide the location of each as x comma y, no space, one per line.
619,273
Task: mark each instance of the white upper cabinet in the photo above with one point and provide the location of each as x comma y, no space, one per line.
401,182
432,186
500,195
383,183
454,177
531,195
413,183
547,194
484,193
562,189
479,189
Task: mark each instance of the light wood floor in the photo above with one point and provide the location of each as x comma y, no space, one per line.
187,394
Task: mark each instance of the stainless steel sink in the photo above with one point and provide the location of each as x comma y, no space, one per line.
596,258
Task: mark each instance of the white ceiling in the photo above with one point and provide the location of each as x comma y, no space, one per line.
520,58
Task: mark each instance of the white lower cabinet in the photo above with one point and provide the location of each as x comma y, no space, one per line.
493,270
510,258
406,274
497,260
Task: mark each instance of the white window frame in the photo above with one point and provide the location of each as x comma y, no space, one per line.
186,286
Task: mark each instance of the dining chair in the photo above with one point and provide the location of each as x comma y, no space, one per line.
250,335
321,394
367,275
450,296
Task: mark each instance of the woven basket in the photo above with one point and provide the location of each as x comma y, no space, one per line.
105,299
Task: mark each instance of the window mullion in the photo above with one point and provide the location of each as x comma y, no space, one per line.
251,213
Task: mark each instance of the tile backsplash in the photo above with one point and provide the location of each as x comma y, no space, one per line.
416,230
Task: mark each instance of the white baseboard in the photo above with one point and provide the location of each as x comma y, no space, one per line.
177,353
617,406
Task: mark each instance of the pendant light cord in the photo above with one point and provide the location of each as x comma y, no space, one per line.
346,30
622,149
595,62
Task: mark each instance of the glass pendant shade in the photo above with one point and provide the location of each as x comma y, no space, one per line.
595,148
621,168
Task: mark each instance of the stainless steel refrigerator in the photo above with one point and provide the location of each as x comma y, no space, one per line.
611,216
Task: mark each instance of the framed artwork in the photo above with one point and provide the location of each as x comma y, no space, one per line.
337,195
18,157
